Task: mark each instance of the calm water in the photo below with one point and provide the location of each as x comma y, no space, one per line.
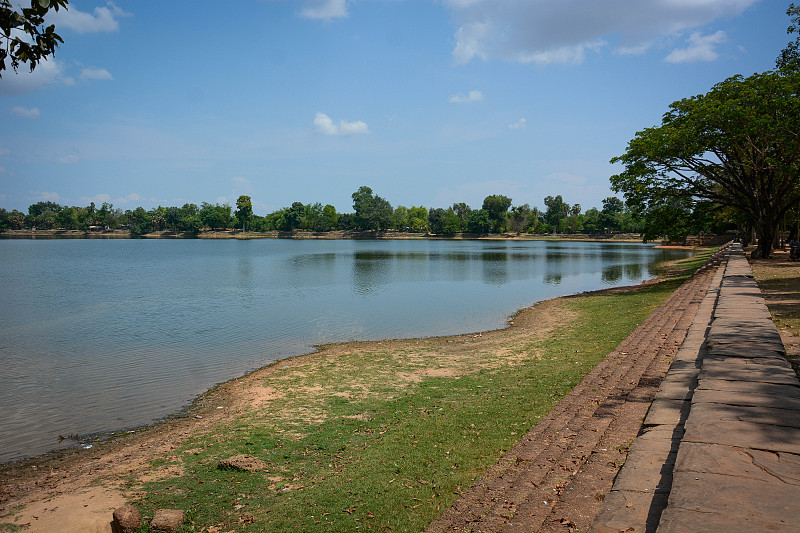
101,335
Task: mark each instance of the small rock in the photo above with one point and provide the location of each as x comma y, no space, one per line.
167,520
243,462
126,519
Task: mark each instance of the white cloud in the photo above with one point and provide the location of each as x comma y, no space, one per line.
565,178
24,81
563,31
521,124
67,159
472,96
47,197
242,182
133,199
325,10
104,19
25,112
324,125
47,72
701,48
92,73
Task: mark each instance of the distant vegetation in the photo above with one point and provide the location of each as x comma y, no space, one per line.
370,213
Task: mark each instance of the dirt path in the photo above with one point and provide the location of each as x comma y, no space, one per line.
557,476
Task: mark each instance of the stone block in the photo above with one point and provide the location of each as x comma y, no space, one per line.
702,501
791,390
767,467
167,520
630,512
126,519
742,434
667,411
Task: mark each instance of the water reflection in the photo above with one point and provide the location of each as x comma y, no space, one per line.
612,273
370,270
633,270
244,278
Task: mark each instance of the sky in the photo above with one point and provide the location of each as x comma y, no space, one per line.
429,103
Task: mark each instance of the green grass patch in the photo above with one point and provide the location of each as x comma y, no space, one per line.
354,444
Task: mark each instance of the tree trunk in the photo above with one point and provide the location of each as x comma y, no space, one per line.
766,236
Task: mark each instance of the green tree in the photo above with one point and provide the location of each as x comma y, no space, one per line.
40,207
293,217
244,210
371,211
444,221
189,220
789,60
158,218
735,146
312,217
611,214
591,221
574,221
479,222
215,216
16,219
23,36
519,219
172,217
329,220
400,218
66,218
418,219
556,212
139,222
496,206
462,211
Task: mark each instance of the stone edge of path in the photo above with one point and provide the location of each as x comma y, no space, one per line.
719,449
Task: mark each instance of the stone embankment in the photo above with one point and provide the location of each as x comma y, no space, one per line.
720,446
557,477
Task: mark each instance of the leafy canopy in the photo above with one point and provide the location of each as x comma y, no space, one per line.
23,36
737,145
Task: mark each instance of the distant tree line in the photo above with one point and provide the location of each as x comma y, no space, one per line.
370,213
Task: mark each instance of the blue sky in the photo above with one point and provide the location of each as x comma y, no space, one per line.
427,102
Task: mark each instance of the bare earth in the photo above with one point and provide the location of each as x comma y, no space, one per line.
554,479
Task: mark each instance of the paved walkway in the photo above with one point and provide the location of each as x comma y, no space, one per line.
720,448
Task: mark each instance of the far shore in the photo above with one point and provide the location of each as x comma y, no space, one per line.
330,235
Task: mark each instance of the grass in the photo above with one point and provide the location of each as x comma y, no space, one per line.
385,436
780,284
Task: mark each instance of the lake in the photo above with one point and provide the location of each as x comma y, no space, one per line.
101,335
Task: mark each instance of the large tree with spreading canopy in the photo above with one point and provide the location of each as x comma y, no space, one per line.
737,145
